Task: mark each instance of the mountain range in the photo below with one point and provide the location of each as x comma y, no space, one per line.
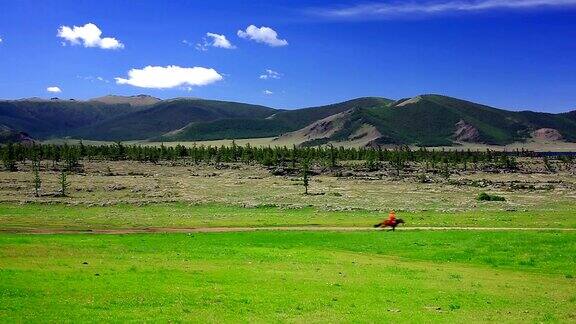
424,120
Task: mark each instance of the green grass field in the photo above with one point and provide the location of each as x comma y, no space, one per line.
295,277
284,276
15,217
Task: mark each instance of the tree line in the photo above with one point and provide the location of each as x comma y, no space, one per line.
329,156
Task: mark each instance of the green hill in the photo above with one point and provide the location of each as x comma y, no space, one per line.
168,116
426,120
226,129
56,118
280,122
433,120
298,118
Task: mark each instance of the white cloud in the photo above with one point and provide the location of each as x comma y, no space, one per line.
53,89
270,74
268,92
160,77
1,40
212,40
263,34
394,9
88,35
220,41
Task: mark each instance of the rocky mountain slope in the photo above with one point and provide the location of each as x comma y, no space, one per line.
426,120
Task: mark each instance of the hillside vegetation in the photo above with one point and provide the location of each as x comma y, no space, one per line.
433,120
43,119
425,120
168,116
280,122
227,128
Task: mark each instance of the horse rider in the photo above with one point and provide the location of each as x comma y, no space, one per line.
391,221
392,217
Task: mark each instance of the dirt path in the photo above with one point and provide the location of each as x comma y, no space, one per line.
253,229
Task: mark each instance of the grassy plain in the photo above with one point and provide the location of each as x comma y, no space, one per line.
409,276
295,277
107,183
27,217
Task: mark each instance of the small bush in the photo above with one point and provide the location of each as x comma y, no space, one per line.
486,197
454,307
483,197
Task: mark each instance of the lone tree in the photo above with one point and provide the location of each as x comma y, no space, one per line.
549,165
37,180
398,162
305,176
9,158
64,184
332,156
446,168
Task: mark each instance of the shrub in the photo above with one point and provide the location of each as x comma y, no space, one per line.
64,184
305,177
37,179
486,197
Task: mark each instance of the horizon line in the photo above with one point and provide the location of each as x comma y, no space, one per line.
55,98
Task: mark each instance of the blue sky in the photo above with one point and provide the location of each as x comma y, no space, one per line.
514,54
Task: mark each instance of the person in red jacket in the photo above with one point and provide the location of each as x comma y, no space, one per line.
391,221
392,217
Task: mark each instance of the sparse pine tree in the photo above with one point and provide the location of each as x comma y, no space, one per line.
398,163
371,164
64,184
332,156
294,156
83,150
446,169
37,179
305,176
549,165
9,158
71,155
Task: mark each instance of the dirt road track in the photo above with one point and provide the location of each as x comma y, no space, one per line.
254,229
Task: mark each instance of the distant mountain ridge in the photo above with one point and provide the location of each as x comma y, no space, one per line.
277,123
434,120
168,116
426,120
56,118
138,100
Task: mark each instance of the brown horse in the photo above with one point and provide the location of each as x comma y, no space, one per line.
389,223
